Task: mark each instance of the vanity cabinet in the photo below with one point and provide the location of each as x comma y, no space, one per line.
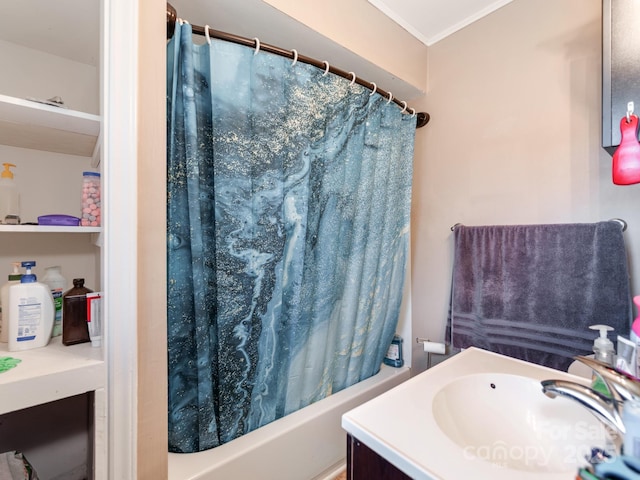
365,464
620,66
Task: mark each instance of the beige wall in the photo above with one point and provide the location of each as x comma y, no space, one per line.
514,138
363,29
151,438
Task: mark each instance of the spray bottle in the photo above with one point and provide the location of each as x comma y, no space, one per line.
9,196
31,312
604,352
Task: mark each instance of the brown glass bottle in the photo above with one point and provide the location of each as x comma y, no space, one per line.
74,314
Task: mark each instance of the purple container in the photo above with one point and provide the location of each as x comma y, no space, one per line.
59,220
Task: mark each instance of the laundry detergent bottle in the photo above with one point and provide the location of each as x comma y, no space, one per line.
31,312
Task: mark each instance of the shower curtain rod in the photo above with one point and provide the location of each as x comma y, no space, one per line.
422,118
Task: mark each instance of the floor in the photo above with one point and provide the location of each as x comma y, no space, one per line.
342,476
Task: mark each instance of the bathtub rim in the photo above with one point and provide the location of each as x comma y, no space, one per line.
195,466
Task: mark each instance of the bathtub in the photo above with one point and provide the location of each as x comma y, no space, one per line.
309,444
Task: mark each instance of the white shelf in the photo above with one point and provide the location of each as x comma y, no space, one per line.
47,229
37,126
50,373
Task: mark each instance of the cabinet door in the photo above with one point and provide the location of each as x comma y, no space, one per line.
620,66
365,464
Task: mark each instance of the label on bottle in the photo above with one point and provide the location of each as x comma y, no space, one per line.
57,305
29,315
393,353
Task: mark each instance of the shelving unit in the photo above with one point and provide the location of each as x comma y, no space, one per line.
47,229
28,124
50,377
55,371
50,373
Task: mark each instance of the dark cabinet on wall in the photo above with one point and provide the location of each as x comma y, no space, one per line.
620,66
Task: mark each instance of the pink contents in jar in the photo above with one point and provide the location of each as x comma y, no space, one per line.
91,202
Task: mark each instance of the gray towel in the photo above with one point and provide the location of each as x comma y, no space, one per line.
532,291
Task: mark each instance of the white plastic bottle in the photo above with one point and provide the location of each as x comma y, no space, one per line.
31,312
14,278
634,335
58,285
9,196
631,420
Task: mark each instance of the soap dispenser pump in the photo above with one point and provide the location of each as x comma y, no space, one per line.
9,196
602,346
604,352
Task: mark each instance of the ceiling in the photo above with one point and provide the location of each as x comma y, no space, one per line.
433,20
68,28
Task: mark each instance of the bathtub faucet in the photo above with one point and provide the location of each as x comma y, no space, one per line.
607,409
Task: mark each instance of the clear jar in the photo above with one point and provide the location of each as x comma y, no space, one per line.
91,200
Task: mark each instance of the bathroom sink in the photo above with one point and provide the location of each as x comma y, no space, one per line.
479,415
512,424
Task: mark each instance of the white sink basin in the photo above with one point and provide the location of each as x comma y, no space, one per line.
512,424
479,415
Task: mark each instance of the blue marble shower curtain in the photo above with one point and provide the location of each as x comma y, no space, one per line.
288,227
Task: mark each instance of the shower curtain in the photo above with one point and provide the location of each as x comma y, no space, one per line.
288,227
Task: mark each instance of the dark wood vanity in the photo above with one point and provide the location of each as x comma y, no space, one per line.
365,464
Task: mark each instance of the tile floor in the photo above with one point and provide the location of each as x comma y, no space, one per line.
342,476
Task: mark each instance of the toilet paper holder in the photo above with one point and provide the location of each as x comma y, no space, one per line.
431,347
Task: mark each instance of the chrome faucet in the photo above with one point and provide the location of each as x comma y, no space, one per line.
607,409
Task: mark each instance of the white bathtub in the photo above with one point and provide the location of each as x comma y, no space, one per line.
309,444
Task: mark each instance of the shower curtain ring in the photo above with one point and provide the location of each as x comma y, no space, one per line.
206,34
326,67
404,104
353,78
390,98
413,112
295,57
375,87
257,45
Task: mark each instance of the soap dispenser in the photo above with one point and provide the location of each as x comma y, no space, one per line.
31,312
604,352
9,196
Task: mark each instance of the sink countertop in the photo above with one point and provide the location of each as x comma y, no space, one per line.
399,424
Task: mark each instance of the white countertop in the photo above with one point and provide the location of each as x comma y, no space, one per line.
50,373
400,426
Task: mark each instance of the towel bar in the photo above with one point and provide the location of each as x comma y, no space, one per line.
622,223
